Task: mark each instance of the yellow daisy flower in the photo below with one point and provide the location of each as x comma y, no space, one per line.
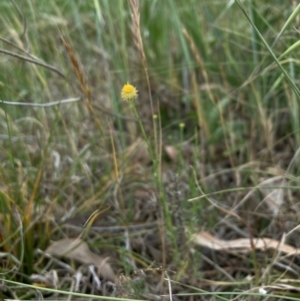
129,92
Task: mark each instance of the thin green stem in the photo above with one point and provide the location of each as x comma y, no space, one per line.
136,114
158,182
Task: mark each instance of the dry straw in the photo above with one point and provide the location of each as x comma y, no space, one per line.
136,31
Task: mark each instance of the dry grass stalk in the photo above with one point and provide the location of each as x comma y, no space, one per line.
199,61
77,69
206,80
81,81
200,113
135,14
136,31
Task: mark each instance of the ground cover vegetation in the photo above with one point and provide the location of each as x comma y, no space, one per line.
149,150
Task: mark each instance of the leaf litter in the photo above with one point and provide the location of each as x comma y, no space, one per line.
207,240
78,250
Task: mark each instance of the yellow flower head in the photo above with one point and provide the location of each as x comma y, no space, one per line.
129,92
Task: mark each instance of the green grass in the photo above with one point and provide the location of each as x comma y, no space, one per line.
223,78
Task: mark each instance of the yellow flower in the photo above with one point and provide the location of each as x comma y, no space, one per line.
129,92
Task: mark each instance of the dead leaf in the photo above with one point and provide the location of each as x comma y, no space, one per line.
50,279
273,196
141,194
171,151
78,250
205,239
